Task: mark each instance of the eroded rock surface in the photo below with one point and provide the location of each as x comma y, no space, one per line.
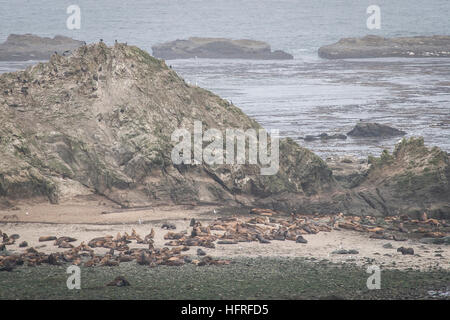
412,180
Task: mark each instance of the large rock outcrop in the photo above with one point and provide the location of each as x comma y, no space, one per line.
378,47
19,47
411,180
100,121
218,48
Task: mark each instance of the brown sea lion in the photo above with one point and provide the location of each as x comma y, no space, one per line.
47,238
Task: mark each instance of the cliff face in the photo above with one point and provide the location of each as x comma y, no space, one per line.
100,121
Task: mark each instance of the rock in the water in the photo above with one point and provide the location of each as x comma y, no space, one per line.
377,47
218,48
404,250
31,47
367,129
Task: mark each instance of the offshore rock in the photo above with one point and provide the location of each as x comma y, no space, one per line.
31,47
218,48
377,47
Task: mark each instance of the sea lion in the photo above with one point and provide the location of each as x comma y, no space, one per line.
53,259
174,236
149,238
300,239
143,259
65,245
47,238
168,226
261,239
423,217
125,258
23,244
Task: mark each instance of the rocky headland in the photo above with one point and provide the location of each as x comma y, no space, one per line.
378,47
32,47
218,48
99,122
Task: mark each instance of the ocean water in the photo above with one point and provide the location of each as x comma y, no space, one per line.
307,95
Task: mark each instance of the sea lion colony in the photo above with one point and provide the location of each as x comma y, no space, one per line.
262,228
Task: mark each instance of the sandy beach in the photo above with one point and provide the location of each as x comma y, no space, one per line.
83,220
